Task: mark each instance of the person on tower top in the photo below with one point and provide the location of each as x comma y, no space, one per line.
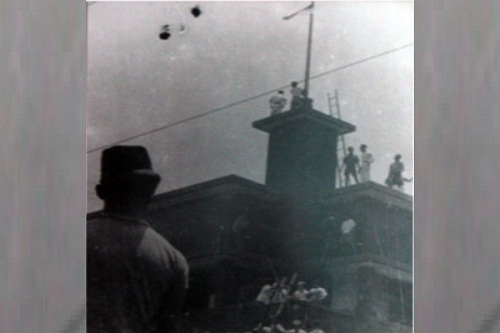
277,103
296,92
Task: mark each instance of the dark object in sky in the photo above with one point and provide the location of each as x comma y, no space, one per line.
165,33
196,11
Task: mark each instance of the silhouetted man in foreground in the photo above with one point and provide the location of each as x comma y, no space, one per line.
136,280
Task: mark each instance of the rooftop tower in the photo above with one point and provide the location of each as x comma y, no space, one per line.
302,151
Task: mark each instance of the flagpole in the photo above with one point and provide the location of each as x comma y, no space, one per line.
308,59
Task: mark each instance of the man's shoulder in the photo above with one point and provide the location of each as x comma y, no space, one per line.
155,245
151,235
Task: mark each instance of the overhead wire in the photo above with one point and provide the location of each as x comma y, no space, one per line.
246,99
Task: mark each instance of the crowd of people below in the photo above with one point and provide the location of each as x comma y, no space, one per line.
278,292
296,326
276,298
284,307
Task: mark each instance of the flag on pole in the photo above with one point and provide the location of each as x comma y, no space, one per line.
308,8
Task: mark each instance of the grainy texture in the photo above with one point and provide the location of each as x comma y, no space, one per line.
457,122
42,166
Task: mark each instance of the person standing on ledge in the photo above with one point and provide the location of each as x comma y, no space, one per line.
351,163
366,161
136,280
395,177
277,103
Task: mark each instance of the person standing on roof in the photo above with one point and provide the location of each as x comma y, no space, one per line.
136,280
395,177
366,161
350,165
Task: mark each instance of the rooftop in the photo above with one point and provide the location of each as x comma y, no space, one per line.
340,126
222,187
370,190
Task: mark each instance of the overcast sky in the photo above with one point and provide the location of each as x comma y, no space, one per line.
233,52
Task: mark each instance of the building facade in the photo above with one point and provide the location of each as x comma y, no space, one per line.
356,241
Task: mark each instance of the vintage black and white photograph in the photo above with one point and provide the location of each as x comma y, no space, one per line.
250,167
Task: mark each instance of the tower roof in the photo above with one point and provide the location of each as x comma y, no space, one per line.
269,123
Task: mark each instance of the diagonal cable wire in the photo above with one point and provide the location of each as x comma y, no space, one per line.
247,99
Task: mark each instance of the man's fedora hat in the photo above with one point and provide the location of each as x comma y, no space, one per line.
121,162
